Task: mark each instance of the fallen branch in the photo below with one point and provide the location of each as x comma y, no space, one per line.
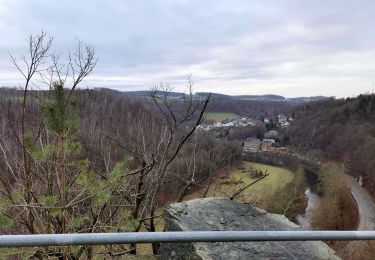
238,193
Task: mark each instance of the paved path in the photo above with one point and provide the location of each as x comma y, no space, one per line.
366,213
366,207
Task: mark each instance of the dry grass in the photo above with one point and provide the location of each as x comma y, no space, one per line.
355,250
336,209
146,249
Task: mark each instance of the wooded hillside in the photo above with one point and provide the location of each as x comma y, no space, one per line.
343,130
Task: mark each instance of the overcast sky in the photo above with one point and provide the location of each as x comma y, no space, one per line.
291,48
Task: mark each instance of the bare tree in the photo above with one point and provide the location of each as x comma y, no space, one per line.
189,178
238,192
47,188
61,192
39,47
156,146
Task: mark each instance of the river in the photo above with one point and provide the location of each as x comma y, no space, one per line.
304,220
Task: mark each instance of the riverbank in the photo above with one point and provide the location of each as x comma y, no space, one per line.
336,210
305,220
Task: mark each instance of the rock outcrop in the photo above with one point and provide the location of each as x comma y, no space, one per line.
219,214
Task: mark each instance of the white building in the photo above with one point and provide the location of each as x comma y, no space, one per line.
282,118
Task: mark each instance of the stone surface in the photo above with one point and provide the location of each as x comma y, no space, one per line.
219,214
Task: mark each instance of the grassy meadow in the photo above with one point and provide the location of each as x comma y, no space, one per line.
226,184
218,117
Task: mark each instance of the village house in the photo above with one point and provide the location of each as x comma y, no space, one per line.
271,134
240,122
218,124
267,144
230,124
252,144
204,127
275,147
282,118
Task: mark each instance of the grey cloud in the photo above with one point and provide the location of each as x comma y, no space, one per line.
282,44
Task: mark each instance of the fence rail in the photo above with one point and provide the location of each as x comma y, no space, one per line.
175,237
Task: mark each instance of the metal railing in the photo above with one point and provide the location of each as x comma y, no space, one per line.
174,237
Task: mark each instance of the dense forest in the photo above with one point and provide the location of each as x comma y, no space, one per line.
85,161
342,130
123,161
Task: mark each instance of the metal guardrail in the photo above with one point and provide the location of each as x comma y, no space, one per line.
175,237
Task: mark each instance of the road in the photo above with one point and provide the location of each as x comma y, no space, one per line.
366,207
366,214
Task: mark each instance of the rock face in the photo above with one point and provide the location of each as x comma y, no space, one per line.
219,214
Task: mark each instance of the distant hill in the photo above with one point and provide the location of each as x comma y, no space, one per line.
214,95
108,90
307,99
268,97
218,96
140,93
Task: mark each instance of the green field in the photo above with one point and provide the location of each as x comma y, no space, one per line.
218,117
226,185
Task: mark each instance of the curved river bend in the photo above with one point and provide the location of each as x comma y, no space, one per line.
305,219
